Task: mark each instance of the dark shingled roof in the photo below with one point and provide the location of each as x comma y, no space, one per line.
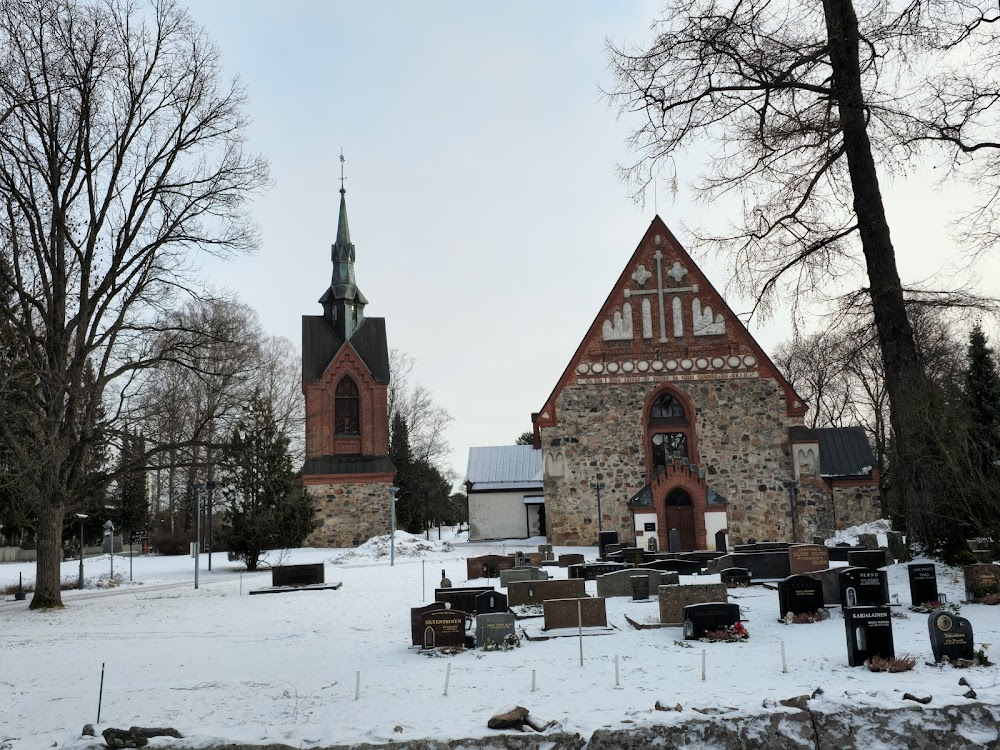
320,345
348,465
843,451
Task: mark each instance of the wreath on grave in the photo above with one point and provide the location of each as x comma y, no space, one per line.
733,634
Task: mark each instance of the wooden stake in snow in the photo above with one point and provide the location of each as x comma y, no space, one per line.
616,671
357,685
532,680
100,694
784,666
241,583
579,622
447,678
703,665
423,580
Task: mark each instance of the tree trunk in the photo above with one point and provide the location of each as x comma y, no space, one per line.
904,377
48,578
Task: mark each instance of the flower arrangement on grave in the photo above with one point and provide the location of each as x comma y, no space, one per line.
902,663
510,641
927,607
733,634
805,618
989,599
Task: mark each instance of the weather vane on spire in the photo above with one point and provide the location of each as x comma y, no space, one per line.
342,178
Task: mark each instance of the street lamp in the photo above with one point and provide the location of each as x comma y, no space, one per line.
598,486
392,526
110,527
197,532
81,516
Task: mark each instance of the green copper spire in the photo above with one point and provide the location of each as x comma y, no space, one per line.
343,303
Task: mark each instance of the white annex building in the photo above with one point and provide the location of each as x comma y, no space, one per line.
504,485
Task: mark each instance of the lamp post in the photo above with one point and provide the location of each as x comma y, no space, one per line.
392,526
211,496
197,532
111,546
81,516
598,486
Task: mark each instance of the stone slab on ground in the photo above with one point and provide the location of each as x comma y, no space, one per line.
333,586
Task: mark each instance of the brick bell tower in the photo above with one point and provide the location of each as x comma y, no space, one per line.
345,379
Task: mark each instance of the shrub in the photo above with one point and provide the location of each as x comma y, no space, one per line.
902,663
176,543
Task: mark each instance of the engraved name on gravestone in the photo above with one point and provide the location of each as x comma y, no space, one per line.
735,578
923,583
869,633
567,613
494,627
443,628
800,595
489,602
951,637
980,581
862,587
805,558
417,620
700,619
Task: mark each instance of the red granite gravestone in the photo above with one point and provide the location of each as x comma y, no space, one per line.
567,613
806,558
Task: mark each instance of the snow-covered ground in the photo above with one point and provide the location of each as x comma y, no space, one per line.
216,664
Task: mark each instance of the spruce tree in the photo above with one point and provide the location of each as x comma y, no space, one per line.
982,388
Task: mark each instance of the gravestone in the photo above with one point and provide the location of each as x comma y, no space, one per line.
520,559
923,583
490,602
674,540
951,637
463,599
604,538
633,555
868,558
536,592
868,541
443,628
673,599
567,613
735,578
830,579
640,588
981,580
805,558
522,574
839,552
417,620
487,566
983,556
544,548
681,567
869,633
297,575
590,571
720,541
896,545
445,581
571,559
619,583
766,564
612,549
494,627
799,595
862,587
700,619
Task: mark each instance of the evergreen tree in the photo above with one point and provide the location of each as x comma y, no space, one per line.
409,514
982,387
132,511
266,506
525,438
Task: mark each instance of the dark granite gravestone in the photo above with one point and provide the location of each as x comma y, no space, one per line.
443,628
673,599
704,618
923,583
604,538
572,559
522,574
800,594
830,579
951,637
590,571
463,599
869,633
766,565
417,620
640,588
839,552
868,541
681,567
981,580
862,587
612,549
297,575
674,540
569,613
983,556
490,602
896,545
720,541
868,558
735,578
619,583
536,592
633,555
805,558
487,566
494,626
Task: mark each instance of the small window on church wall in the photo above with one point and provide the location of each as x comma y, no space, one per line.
667,446
348,408
666,407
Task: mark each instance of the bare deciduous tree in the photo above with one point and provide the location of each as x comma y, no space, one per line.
121,152
427,421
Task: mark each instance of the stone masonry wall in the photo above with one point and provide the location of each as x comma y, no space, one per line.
741,433
349,513
856,505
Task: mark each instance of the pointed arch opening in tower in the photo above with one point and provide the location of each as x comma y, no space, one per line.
347,419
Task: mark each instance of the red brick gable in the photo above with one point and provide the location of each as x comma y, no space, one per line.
321,439
664,320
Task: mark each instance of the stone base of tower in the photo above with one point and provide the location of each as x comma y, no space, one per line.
349,510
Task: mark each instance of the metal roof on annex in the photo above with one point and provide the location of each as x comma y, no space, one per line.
843,451
505,467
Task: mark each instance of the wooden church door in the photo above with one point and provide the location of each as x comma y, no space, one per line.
680,516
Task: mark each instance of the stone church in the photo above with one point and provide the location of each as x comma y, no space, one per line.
674,411
345,379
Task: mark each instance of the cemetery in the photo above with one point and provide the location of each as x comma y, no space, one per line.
343,664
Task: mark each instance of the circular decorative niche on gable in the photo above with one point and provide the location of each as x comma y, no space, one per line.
702,363
583,368
734,361
749,360
612,367
642,365
657,365
687,364
627,366
671,364
597,367
718,362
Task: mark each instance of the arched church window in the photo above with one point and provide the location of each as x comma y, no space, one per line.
667,408
667,446
347,408
668,431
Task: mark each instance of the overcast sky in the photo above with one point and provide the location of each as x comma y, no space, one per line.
483,193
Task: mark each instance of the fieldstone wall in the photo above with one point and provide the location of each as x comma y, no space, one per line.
856,505
741,431
349,514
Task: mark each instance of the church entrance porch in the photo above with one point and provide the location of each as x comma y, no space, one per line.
680,518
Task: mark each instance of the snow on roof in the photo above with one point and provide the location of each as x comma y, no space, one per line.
505,467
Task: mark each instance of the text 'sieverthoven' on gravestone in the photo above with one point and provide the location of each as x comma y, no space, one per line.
951,637
923,583
869,633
